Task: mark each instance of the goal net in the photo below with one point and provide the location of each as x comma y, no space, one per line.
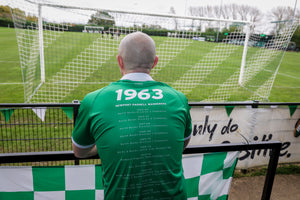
67,51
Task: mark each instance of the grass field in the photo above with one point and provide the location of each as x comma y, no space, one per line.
286,87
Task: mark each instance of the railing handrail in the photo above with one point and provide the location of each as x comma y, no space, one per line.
275,147
253,104
25,105
194,149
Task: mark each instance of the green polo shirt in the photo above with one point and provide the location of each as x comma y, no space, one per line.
139,128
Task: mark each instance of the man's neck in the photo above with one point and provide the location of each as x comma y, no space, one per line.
137,76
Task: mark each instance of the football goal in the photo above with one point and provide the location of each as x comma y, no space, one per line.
68,50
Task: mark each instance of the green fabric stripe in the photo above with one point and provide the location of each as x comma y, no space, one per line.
213,162
207,197
228,172
98,174
192,186
204,197
17,195
224,197
80,194
48,178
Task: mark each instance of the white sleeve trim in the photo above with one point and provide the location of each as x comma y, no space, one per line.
82,146
188,137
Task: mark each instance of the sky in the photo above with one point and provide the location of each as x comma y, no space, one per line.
163,6
158,6
181,5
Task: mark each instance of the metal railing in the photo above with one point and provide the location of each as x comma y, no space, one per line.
36,127
275,148
25,138
21,130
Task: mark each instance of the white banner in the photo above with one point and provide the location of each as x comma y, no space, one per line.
216,125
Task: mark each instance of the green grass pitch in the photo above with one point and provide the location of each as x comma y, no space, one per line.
286,87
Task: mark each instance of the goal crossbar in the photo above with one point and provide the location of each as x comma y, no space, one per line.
145,13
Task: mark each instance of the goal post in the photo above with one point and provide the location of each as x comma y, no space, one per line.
243,63
41,43
60,61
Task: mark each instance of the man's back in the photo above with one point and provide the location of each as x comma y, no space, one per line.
139,129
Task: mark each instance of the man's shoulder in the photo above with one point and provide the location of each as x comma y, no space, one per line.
93,94
171,89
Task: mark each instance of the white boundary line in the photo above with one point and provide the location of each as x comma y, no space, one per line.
11,83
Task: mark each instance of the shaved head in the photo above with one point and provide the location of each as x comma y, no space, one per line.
137,51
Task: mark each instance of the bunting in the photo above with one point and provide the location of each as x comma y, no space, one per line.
40,112
229,109
292,109
7,113
68,111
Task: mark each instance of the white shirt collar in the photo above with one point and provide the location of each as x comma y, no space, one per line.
137,77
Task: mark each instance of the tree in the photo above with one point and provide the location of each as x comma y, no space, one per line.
5,12
228,11
243,12
31,18
233,11
278,13
255,16
172,11
101,18
281,14
196,11
297,15
225,11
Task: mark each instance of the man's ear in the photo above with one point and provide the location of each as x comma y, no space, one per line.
120,61
121,64
155,61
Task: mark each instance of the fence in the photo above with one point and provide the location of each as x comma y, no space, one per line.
31,136
29,128
68,155
48,127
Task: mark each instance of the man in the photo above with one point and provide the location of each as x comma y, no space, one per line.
139,128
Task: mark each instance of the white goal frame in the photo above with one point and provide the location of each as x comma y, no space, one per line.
247,24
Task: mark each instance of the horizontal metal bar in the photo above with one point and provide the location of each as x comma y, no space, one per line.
68,155
244,104
39,157
36,156
231,147
31,105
